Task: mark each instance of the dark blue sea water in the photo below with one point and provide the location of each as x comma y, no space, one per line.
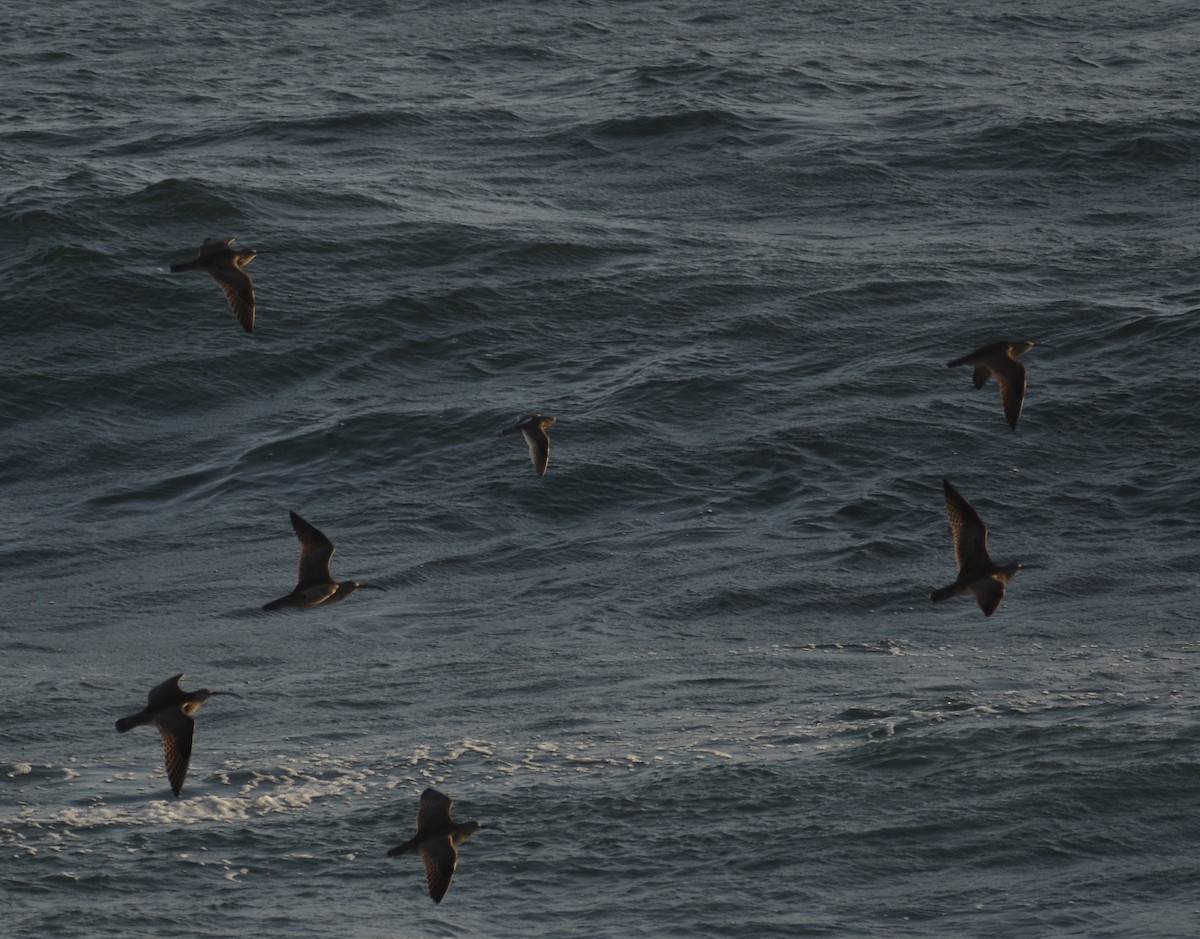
691,680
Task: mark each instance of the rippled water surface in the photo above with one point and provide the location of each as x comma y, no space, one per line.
691,680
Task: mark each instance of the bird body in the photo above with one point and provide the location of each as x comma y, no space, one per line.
315,585
999,360
437,839
172,711
978,574
224,264
533,429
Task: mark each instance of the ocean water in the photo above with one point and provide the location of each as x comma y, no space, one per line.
691,681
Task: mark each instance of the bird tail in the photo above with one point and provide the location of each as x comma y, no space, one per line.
128,723
185,266
955,364
409,847
937,596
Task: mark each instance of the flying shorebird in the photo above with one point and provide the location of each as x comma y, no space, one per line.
978,574
437,839
533,429
999,359
170,709
315,584
223,263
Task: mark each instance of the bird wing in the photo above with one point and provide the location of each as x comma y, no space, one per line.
980,376
319,593
433,811
440,859
539,447
988,594
162,693
213,246
176,730
968,530
239,291
1010,376
315,552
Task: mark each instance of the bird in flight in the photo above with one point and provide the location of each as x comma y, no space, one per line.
172,711
999,360
533,429
315,584
978,574
224,263
437,839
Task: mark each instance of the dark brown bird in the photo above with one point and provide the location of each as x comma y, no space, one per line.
315,584
1000,361
223,263
978,574
437,839
533,429
171,709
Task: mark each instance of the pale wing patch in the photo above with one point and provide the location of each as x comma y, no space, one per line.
318,594
1010,376
539,448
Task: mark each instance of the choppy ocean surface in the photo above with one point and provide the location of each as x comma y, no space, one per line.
691,680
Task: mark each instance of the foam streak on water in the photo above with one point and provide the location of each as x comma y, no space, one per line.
690,680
